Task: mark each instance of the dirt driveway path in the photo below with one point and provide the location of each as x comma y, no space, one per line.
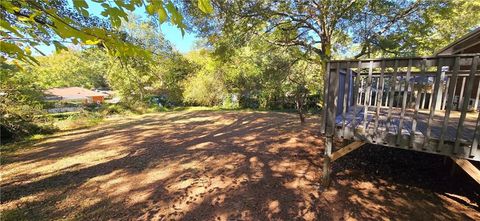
218,165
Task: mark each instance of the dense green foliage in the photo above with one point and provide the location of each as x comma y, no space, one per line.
206,87
341,28
20,102
70,68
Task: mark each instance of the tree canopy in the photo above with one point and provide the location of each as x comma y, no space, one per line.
27,23
325,28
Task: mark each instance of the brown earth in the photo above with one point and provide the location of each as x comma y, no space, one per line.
219,165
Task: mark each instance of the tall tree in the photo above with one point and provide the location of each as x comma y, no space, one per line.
137,77
439,26
72,67
314,26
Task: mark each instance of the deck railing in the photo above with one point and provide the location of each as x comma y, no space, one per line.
427,104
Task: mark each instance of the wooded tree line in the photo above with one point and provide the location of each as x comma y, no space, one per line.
252,53
257,75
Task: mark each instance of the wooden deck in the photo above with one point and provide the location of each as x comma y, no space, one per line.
428,104
422,117
387,133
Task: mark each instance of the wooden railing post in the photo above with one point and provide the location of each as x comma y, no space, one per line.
356,91
325,98
436,89
449,106
404,101
444,100
367,97
460,99
332,102
413,133
393,83
440,90
362,92
379,97
475,103
465,101
476,139
346,92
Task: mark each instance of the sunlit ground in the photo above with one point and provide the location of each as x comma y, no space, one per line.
210,165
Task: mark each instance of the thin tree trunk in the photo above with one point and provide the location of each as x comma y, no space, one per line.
299,104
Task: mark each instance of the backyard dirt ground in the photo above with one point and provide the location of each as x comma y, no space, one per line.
223,165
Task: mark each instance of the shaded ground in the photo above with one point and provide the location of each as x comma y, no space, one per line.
205,165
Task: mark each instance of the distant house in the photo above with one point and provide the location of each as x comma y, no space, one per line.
75,94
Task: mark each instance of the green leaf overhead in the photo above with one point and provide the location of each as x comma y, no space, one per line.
176,17
81,6
28,23
205,6
162,14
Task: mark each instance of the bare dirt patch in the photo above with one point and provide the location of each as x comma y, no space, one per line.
219,165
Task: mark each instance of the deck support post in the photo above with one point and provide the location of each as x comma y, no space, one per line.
326,171
331,157
332,101
327,162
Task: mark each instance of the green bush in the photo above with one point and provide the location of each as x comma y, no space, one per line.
204,89
20,102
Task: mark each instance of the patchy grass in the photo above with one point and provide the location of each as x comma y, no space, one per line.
203,164
26,143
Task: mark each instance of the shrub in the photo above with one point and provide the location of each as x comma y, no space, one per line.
20,102
204,89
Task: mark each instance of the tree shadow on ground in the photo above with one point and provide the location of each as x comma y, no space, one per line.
205,165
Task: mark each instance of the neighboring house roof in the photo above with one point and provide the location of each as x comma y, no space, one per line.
467,44
72,93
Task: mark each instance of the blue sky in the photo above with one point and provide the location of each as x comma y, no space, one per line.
182,43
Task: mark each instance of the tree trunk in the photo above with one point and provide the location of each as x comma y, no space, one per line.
299,104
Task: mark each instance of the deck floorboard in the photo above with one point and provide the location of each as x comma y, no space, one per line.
467,134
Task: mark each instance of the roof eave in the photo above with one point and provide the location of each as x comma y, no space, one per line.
451,46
